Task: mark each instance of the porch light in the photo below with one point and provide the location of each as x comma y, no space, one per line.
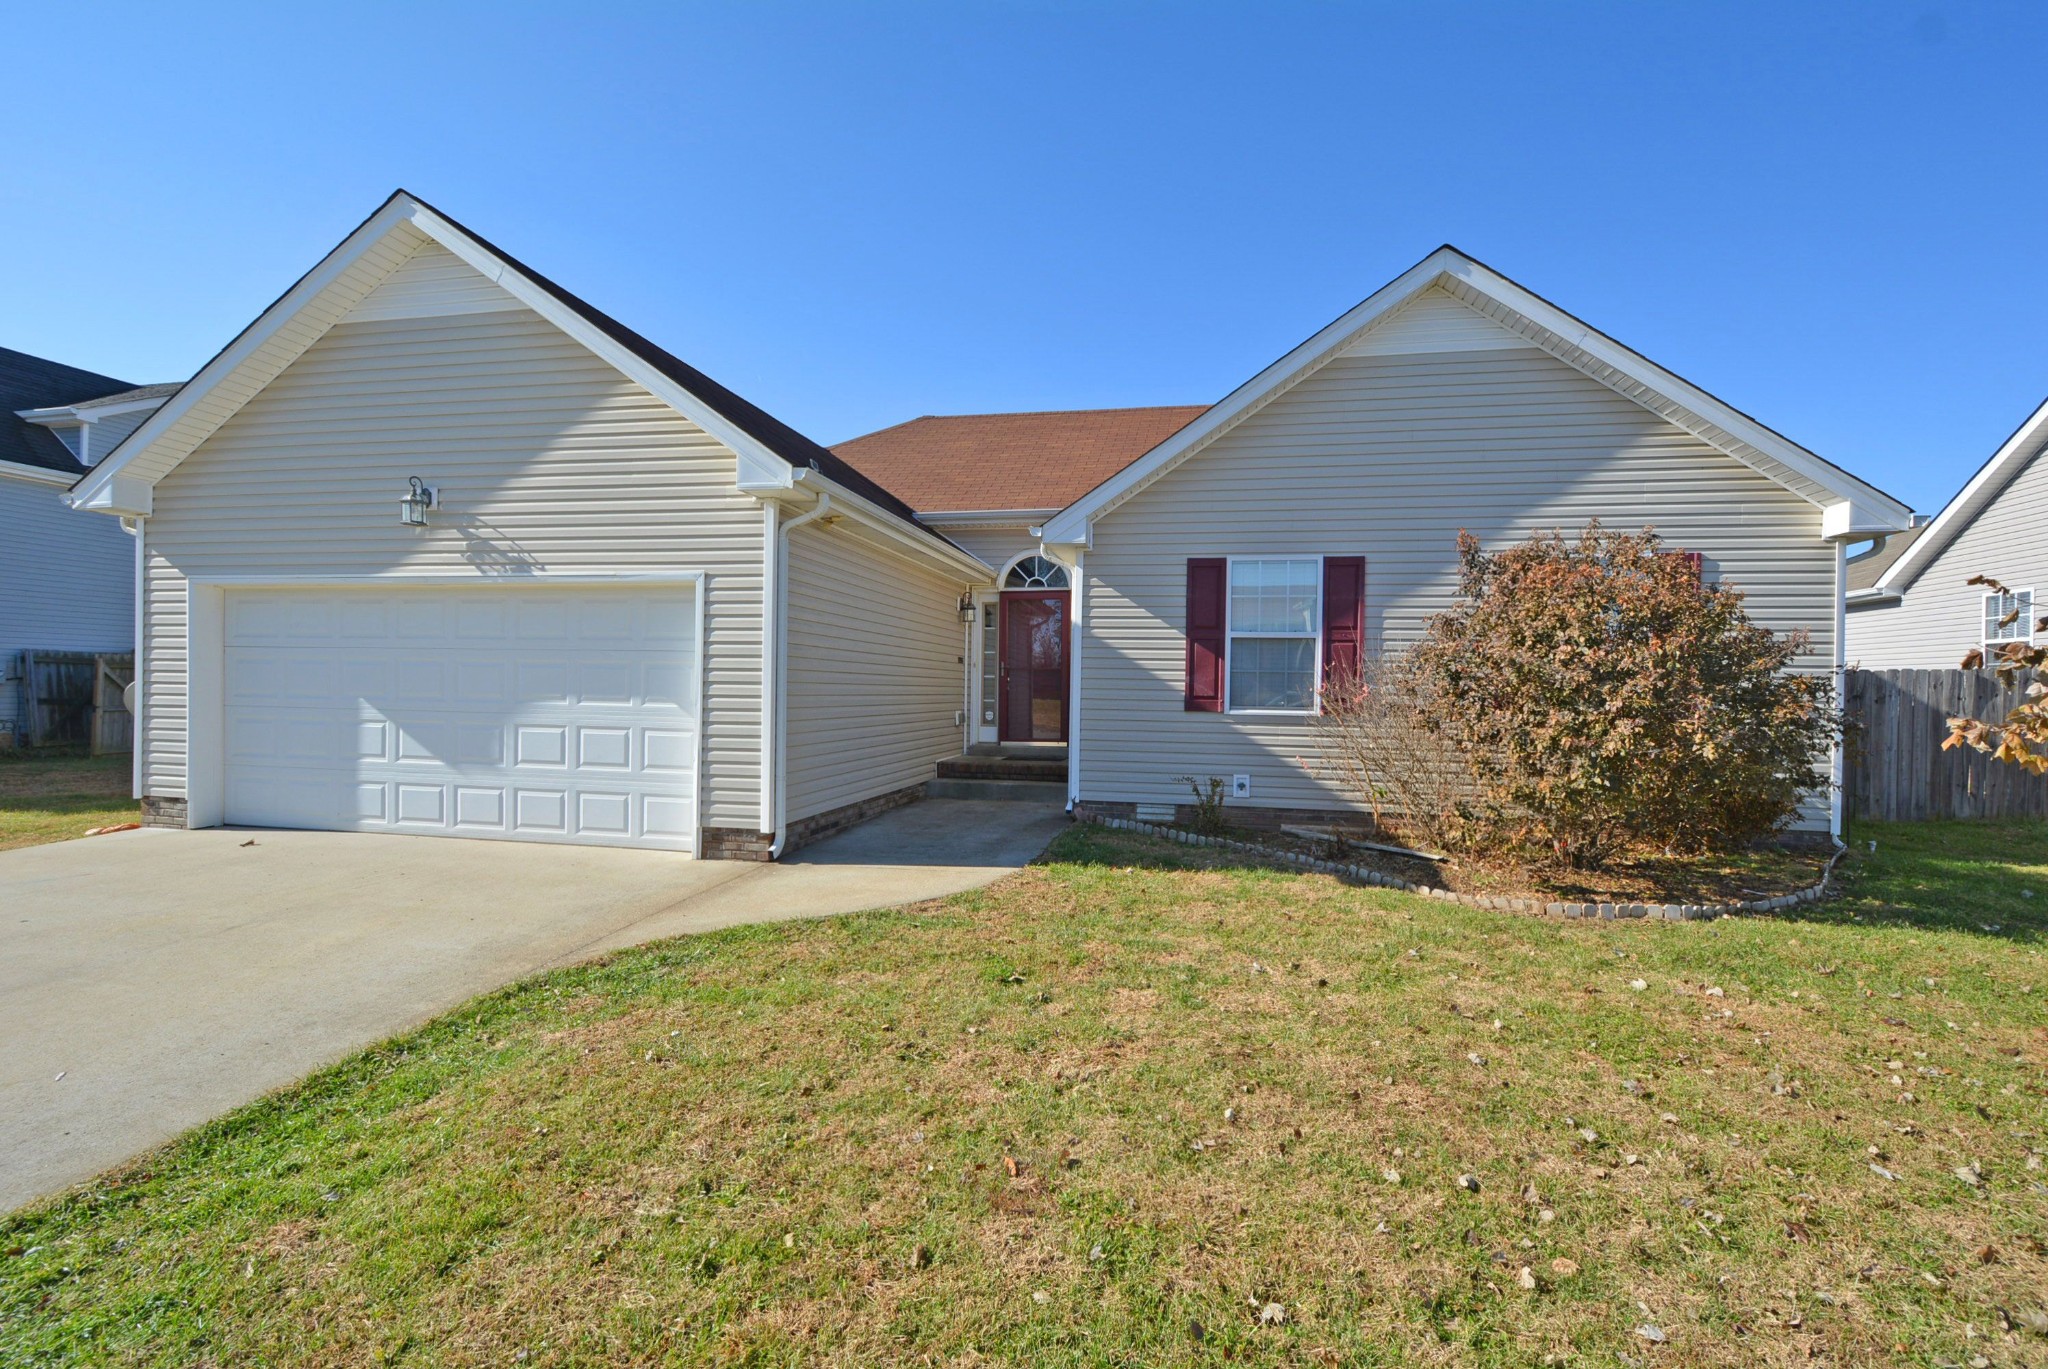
966,608
412,510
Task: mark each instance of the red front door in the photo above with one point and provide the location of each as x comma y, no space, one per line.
1034,667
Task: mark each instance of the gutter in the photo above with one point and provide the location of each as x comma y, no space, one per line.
774,594
914,538
40,475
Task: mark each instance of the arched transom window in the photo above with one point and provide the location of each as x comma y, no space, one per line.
1036,572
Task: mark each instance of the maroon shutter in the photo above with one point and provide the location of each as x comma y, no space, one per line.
1343,617
1694,562
1208,629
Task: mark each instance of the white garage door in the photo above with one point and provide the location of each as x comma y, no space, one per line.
534,714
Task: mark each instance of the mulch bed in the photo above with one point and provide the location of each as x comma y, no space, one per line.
1768,872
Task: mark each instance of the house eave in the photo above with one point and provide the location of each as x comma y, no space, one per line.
1866,508
40,475
921,543
2023,446
985,518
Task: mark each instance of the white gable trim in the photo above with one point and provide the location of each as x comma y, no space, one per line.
117,487
1850,507
112,487
1994,475
764,465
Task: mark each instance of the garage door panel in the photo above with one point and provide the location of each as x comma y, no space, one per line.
509,728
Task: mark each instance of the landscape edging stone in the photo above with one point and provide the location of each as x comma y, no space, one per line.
1365,874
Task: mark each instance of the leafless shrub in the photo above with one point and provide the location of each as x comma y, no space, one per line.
1374,740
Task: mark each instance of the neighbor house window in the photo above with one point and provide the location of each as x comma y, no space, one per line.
1275,633
2016,604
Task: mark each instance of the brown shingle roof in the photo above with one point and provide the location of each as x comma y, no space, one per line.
958,462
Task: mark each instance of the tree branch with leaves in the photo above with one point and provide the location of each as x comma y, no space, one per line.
2021,737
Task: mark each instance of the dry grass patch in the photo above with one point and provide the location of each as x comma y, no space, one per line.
1137,1105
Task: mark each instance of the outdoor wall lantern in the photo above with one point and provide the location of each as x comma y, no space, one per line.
412,510
967,608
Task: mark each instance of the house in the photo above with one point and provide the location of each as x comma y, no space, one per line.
67,581
1911,605
434,546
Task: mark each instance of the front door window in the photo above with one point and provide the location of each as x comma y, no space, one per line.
991,655
1034,666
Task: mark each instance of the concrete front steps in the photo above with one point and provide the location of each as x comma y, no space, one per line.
1020,773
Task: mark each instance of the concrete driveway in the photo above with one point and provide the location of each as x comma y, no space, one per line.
151,980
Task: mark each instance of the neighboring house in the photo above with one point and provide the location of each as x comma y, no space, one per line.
1911,604
436,547
67,580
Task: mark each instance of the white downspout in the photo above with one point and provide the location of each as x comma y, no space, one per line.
141,680
1838,767
1078,636
775,800
771,661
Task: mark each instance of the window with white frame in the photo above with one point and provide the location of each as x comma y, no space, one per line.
2014,604
1036,572
1275,633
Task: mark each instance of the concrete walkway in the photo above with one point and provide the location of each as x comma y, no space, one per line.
151,980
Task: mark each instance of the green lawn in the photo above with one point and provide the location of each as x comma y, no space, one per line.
46,797
1141,1105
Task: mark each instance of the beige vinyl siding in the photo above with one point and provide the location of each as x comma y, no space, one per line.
1388,457
997,546
548,462
67,582
874,676
1941,615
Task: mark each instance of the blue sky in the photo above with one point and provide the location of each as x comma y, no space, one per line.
1832,216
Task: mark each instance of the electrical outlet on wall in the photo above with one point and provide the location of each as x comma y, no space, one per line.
1240,786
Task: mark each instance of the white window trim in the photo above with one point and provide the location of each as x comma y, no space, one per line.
2025,621
1003,576
1231,634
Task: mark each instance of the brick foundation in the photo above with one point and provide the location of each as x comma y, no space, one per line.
818,826
162,812
740,843
1350,824
735,843
1237,815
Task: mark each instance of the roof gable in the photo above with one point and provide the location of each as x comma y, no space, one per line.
1420,306
2012,458
407,245
1435,320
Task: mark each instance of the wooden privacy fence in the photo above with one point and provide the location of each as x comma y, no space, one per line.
74,698
113,726
1897,769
